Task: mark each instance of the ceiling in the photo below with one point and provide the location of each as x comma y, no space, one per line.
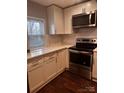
61,3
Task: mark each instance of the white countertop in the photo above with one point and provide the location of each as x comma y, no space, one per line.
41,51
95,50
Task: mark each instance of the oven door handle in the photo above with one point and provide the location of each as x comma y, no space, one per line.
74,51
84,52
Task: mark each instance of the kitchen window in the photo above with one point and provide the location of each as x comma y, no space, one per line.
36,30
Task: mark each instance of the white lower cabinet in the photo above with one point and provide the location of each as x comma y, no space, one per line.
94,71
61,60
35,75
50,66
43,70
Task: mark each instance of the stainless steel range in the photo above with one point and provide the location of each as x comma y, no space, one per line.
81,56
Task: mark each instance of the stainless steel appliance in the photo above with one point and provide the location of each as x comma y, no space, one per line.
84,20
81,56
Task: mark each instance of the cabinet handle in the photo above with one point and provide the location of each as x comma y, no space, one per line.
49,61
35,64
50,58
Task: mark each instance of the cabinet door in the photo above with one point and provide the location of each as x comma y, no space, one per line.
59,20
51,23
68,13
67,21
67,58
50,67
94,73
55,20
61,60
36,77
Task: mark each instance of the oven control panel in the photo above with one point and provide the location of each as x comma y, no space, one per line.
86,40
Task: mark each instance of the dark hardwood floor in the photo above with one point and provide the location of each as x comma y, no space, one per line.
68,82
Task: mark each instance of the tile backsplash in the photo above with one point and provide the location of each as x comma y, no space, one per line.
84,32
56,40
53,40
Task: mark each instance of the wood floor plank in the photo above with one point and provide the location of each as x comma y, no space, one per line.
68,82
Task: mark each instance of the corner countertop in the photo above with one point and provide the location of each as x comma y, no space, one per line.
95,50
45,50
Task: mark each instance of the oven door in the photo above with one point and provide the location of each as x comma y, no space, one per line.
82,58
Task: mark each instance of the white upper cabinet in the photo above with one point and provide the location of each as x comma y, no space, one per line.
55,20
67,22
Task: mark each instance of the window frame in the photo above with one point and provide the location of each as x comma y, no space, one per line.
28,40
37,18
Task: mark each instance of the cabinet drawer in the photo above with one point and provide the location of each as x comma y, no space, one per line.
35,64
35,59
50,57
36,78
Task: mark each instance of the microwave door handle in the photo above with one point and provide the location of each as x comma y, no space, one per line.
90,18
95,17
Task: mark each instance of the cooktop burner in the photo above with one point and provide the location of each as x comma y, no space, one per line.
85,44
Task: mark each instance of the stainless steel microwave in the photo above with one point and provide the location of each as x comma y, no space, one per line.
84,20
